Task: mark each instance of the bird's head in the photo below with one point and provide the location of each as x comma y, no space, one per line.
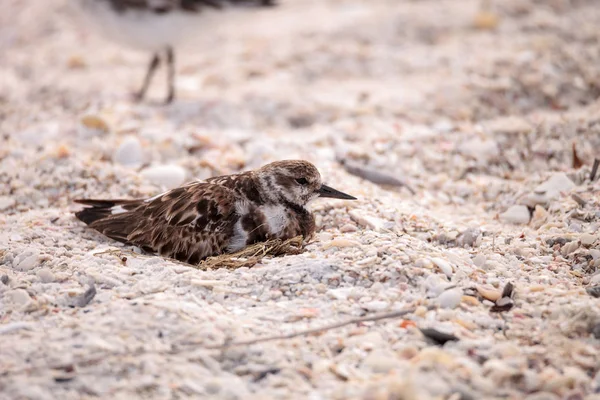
295,181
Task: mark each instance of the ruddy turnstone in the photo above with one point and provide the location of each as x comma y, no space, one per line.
158,26
219,215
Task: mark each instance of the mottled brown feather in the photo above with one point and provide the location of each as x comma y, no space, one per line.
221,214
244,184
164,6
167,225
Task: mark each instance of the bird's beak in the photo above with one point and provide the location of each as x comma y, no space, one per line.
326,191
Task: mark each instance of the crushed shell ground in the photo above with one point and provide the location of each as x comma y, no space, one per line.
491,115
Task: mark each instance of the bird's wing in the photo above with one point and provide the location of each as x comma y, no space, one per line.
218,4
188,223
161,6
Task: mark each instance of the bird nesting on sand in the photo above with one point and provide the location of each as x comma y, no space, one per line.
159,26
219,215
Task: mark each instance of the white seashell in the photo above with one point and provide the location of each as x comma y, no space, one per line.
450,298
516,214
129,153
167,176
443,265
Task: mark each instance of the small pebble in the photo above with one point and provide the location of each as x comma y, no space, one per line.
503,304
92,125
18,296
489,293
508,290
485,20
595,279
380,361
558,183
470,300
213,386
76,62
479,260
480,149
84,299
539,217
27,260
575,227
14,327
376,305
596,331
325,236
438,337
45,275
341,243
434,285
6,202
167,176
348,228
569,248
516,214
450,298
469,237
367,221
593,291
588,239
341,371
443,265
129,153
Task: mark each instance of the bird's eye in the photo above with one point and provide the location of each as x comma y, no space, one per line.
302,181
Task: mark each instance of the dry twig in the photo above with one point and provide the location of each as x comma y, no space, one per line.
373,175
377,317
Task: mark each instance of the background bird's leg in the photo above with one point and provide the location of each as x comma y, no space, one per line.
170,74
154,63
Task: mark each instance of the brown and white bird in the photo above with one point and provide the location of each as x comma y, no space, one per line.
219,215
159,26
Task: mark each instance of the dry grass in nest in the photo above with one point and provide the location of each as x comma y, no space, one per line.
247,257
253,254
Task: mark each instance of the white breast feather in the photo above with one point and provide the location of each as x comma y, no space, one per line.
240,236
239,239
276,216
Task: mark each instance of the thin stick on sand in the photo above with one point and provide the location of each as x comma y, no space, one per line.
372,175
376,317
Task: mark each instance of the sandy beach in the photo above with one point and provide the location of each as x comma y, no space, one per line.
489,115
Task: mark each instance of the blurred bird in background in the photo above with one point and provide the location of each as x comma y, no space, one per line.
159,26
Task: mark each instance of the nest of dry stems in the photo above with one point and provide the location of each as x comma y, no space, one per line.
253,254
247,257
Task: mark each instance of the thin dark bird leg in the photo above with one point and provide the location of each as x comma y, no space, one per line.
154,63
594,169
170,74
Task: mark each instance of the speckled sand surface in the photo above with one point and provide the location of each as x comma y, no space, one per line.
477,112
